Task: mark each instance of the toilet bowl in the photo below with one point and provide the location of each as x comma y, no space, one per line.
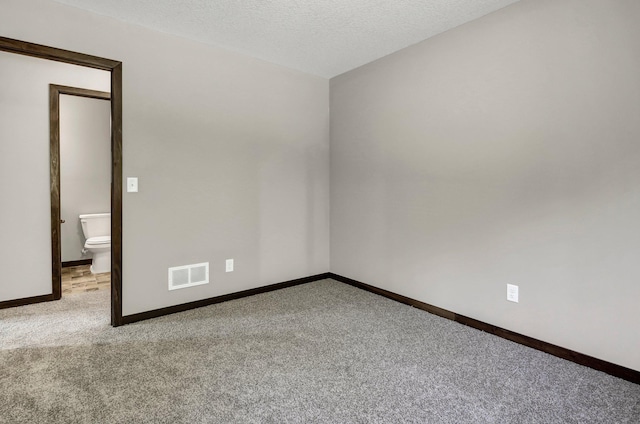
97,232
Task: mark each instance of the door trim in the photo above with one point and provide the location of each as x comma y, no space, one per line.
115,68
54,153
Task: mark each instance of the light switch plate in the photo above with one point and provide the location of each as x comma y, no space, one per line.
229,265
512,293
132,184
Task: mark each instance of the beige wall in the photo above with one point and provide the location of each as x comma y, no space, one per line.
25,217
231,153
504,151
85,167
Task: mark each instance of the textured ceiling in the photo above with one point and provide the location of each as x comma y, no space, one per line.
321,37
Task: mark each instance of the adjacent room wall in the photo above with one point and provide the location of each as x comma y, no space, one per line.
85,167
503,151
231,154
25,217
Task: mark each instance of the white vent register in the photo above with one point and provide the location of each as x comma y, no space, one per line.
181,277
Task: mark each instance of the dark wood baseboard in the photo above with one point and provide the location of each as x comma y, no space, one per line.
558,351
128,319
561,352
76,263
26,301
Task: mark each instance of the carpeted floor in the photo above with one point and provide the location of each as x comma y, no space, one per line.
322,352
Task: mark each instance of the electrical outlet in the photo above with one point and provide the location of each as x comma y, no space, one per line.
132,184
512,293
229,265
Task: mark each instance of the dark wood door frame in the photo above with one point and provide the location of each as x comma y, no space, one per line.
54,154
115,68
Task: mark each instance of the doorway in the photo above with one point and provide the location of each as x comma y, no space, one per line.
115,69
84,154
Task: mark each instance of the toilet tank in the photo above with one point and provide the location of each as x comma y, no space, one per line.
96,224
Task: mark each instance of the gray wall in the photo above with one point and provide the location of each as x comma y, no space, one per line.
504,151
231,152
85,167
25,218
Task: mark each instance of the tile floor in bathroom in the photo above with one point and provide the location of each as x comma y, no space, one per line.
77,279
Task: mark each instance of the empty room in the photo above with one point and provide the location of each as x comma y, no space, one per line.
319,211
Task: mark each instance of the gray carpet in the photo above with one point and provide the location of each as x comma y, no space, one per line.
322,352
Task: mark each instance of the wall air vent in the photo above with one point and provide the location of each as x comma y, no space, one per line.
181,277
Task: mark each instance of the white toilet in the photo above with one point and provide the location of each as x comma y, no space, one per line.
97,231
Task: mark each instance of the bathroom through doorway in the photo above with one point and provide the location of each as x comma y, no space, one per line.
82,152
80,160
